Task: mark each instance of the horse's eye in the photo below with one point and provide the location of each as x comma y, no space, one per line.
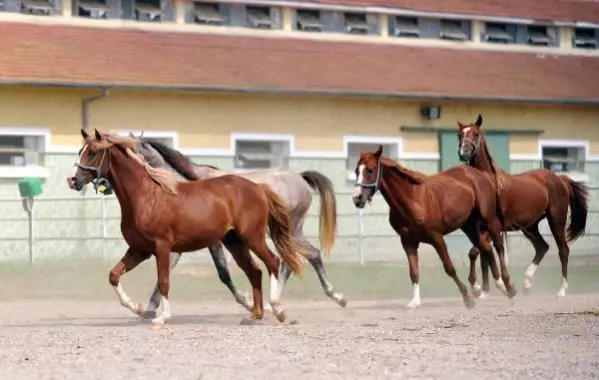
370,171
91,155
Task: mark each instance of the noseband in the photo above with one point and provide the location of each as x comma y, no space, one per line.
99,180
474,144
377,182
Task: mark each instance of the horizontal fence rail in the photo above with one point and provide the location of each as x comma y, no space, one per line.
90,226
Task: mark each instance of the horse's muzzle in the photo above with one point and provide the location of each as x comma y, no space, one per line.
359,201
75,183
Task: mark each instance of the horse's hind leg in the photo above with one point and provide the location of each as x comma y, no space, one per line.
220,262
541,247
506,285
240,252
150,312
315,259
130,260
476,288
557,223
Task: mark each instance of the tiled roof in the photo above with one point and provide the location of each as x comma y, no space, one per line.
562,10
90,56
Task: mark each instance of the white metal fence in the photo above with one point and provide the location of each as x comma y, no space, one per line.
106,218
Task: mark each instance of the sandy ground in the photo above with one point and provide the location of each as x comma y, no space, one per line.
536,337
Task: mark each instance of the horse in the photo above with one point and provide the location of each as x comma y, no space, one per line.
295,189
526,199
425,208
161,215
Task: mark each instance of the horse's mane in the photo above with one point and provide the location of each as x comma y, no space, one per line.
177,160
497,171
163,177
410,175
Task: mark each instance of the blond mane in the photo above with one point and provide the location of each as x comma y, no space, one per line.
162,177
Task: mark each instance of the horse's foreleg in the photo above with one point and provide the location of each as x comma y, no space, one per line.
220,262
439,243
154,302
130,260
411,249
473,255
163,267
506,285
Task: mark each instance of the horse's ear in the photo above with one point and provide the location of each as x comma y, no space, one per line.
84,133
460,125
131,134
98,134
378,152
479,120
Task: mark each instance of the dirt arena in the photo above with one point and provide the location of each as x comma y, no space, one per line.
47,334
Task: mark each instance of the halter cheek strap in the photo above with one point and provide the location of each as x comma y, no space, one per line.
377,182
475,145
97,170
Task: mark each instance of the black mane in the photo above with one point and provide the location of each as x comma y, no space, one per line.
178,161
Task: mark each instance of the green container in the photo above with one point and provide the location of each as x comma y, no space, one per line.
30,187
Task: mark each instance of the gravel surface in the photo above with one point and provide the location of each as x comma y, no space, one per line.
533,338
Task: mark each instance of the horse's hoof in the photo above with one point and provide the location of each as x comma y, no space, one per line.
157,324
414,304
469,302
477,291
512,292
249,321
342,302
149,314
483,296
140,309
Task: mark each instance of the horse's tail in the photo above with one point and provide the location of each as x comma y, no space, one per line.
328,208
279,224
579,208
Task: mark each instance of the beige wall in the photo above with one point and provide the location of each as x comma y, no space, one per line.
207,120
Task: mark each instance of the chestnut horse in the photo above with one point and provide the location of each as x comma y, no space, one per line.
425,208
161,215
525,200
294,188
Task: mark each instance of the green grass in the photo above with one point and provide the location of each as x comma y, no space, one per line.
89,280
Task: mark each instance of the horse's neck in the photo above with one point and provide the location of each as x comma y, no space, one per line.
398,192
482,159
131,183
205,172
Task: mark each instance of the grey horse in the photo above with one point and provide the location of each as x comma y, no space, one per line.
294,188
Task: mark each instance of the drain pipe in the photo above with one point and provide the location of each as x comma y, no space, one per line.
85,115
85,109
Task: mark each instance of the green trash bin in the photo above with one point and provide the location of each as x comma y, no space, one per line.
29,188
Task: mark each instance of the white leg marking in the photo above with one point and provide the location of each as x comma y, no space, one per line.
166,312
415,302
477,289
124,298
501,286
562,290
529,274
338,297
274,289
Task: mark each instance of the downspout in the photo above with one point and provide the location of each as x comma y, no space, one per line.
85,114
84,107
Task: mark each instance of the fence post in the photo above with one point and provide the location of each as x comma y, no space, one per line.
360,235
104,226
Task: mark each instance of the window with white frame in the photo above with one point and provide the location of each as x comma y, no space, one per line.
563,159
18,150
355,148
261,154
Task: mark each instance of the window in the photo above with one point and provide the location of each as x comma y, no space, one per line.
208,14
93,9
37,7
406,27
260,17
538,36
148,10
19,150
356,23
353,155
585,38
500,33
251,154
308,21
454,30
564,159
